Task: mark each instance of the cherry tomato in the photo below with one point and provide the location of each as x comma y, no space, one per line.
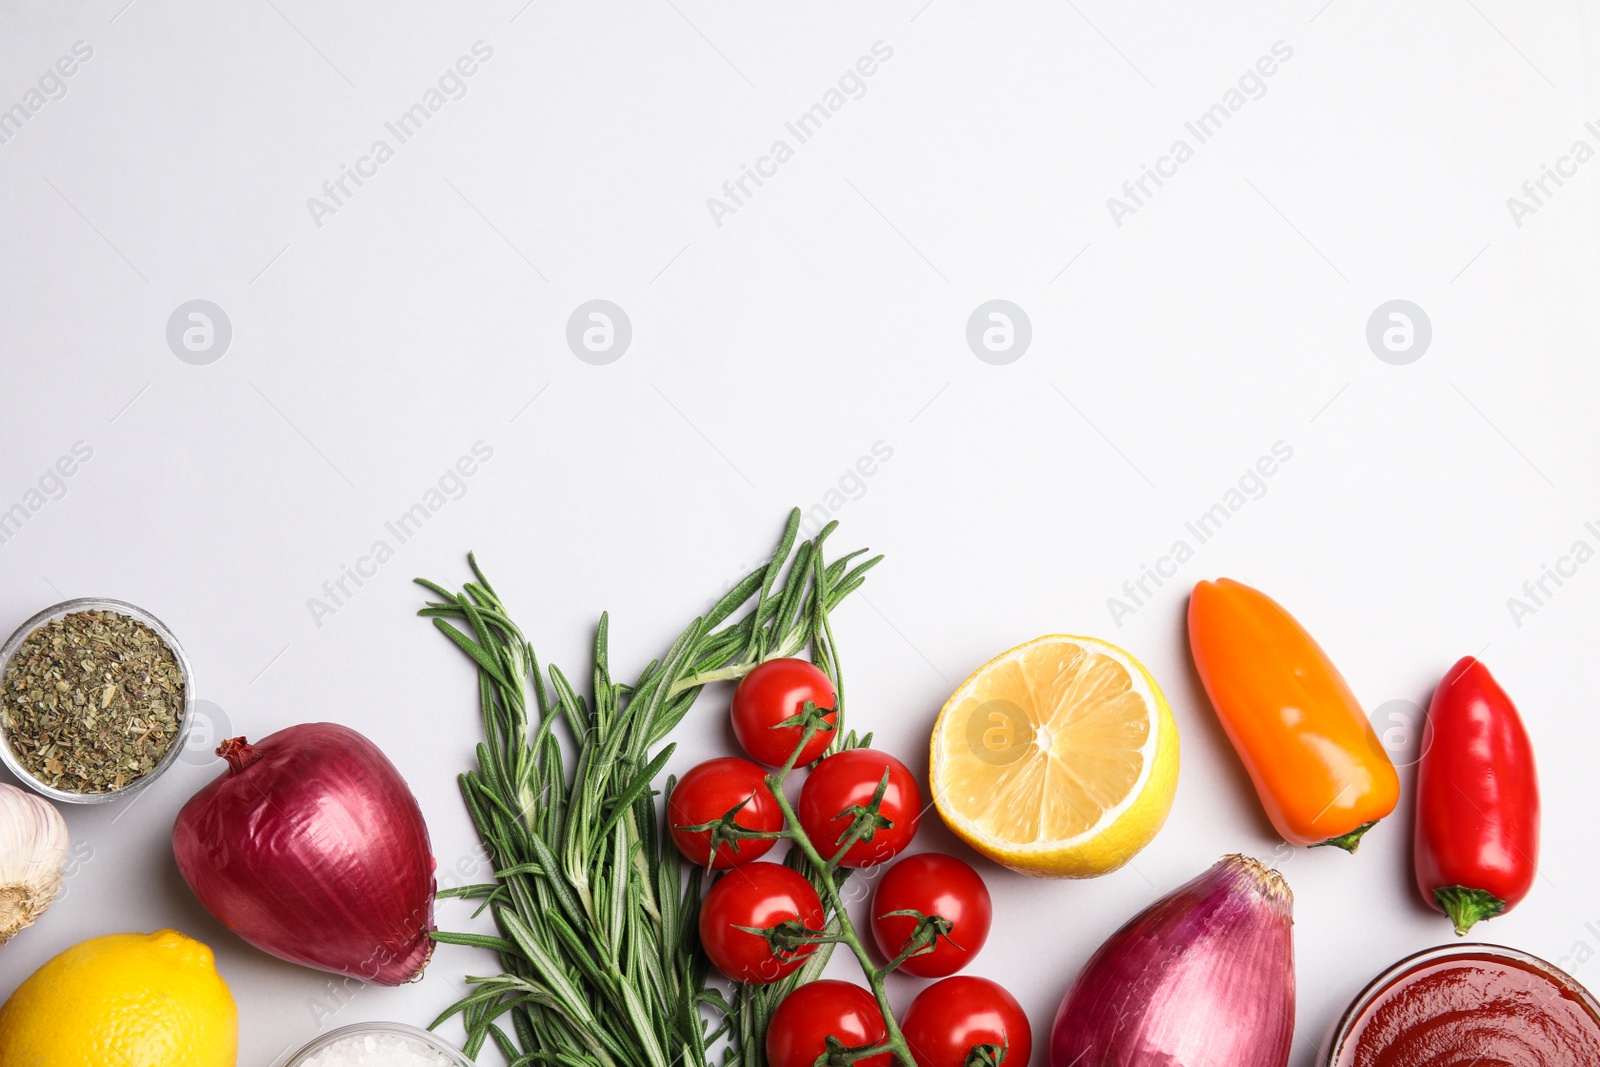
951,1017
775,691
934,884
760,895
847,779
798,1034
706,794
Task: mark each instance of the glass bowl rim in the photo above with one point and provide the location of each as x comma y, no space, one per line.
185,719
427,1037
1345,1027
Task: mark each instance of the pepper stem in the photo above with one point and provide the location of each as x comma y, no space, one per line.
1350,841
240,754
1467,906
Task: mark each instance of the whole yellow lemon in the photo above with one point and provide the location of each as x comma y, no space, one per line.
124,1000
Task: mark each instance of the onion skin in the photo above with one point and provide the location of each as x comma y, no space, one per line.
312,848
1202,978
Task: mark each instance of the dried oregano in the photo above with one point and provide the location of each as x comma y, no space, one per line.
91,701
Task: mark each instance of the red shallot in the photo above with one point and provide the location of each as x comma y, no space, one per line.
1204,978
312,848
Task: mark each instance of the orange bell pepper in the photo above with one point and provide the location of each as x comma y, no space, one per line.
1317,765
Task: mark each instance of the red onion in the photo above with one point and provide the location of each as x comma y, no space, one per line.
313,849
1203,978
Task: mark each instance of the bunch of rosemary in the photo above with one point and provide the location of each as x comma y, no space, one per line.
597,915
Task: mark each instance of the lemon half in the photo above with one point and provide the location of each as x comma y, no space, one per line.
1058,758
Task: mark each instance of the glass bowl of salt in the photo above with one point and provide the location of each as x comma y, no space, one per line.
378,1045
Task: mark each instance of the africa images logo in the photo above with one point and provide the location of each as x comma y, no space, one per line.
1251,485
851,85
338,191
49,87
1251,85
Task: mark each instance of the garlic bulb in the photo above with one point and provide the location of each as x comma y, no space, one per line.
33,857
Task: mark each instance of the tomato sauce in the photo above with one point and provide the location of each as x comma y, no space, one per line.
1474,1009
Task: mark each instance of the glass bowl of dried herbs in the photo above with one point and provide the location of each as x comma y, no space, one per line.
96,700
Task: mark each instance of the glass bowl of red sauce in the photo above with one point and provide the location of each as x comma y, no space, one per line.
1459,1005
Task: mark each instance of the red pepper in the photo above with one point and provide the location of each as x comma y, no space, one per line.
1477,847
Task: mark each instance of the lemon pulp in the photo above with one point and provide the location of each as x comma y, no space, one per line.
1059,757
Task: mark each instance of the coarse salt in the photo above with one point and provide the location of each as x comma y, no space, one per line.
378,1050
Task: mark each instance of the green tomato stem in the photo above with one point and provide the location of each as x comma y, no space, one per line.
923,939
896,1041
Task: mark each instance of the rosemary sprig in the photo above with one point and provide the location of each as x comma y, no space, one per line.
597,916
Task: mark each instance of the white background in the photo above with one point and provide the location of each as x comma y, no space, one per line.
826,314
